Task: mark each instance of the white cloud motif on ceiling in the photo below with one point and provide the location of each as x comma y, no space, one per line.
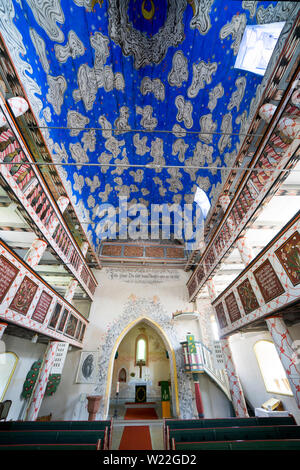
179,72
74,48
202,74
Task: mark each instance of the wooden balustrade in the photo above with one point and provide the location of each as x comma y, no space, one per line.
276,153
270,283
28,301
25,180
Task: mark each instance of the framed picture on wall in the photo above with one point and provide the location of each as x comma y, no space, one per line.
87,367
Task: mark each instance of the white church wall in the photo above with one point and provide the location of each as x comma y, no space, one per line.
122,297
249,373
215,403
27,353
157,369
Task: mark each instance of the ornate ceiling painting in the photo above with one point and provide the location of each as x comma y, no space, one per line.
135,83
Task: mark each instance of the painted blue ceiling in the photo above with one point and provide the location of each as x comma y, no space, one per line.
139,68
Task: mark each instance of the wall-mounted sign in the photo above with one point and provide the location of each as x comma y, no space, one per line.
8,273
289,257
42,307
232,308
267,281
221,315
24,296
247,296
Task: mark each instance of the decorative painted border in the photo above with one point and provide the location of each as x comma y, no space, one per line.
289,296
153,313
89,283
27,320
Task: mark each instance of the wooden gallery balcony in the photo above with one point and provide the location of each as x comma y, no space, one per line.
21,177
268,285
28,302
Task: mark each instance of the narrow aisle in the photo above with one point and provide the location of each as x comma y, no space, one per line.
136,438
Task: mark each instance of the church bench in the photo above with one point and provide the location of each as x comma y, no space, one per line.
13,447
59,425
224,422
232,434
274,444
54,437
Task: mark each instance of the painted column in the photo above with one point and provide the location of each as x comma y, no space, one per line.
199,403
245,250
41,383
211,289
286,352
288,125
62,203
2,329
224,201
74,283
71,290
35,253
237,395
84,248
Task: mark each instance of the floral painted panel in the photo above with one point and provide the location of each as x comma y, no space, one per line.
289,257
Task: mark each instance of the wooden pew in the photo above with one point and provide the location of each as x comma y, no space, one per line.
61,425
13,447
223,422
284,444
232,434
54,437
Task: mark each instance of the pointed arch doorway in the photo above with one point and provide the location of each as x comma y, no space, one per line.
159,365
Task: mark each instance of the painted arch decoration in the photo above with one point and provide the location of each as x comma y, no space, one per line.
136,83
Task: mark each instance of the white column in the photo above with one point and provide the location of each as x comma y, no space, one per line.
71,290
245,250
2,328
224,201
35,253
288,125
84,248
41,383
284,345
211,289
236,392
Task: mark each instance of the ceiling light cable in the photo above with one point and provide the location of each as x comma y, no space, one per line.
151,166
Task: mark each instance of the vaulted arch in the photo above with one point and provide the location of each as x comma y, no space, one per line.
173,368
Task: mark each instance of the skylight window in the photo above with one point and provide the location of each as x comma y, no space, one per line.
257,46
203,202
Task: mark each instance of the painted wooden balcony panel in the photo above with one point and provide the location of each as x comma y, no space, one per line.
28,301
26,182
267,285
275,153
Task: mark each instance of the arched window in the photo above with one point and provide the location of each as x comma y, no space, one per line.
8,363
141,349
122,375
271,369
203,202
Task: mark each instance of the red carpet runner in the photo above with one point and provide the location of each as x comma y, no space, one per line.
136,438
140,413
